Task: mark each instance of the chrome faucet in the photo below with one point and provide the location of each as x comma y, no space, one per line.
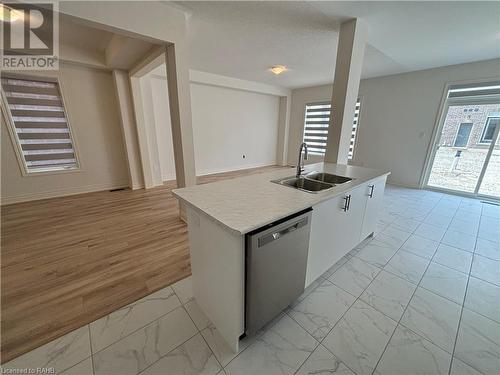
300,164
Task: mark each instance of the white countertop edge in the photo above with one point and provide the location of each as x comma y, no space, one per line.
318,197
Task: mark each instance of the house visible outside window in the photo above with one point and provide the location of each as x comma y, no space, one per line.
316,121
489,129
38,123
463,134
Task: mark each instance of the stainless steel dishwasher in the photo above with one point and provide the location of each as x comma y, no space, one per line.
276,261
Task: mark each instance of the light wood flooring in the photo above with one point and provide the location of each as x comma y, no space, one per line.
71,260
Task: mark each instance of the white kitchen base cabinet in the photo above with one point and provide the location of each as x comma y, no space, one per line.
220,216
375,194
340,224
327,241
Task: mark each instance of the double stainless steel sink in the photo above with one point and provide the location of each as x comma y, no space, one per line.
313,182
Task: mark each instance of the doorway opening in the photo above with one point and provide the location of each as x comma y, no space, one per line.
465,157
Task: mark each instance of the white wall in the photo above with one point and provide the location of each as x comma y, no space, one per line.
301,97
163,127
398,115
92,111
163,23
230,123
227,124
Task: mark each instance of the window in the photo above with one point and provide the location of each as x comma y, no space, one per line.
39,124
462,138
317,118
464,150
489,130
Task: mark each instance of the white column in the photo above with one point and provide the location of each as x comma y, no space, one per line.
129,130
350,54
180,114
283,129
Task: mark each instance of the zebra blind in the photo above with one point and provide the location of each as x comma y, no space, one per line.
40,123
474,90
316,127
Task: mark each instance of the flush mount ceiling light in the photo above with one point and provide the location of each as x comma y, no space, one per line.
7,14
278,69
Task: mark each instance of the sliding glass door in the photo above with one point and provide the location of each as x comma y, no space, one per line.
490,181
465,156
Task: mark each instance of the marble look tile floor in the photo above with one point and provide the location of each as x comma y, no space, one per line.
421,297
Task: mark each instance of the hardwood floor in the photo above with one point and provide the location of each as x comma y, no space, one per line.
71,260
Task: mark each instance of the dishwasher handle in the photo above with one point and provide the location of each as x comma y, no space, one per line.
268,238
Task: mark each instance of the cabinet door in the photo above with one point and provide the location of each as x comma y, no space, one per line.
328,242
374,191
355,213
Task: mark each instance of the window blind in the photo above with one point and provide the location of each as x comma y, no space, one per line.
40,123
316,127
474,90
317,118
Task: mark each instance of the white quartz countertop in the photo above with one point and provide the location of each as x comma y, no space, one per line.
247,203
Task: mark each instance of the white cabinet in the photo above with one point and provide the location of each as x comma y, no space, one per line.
327,241
340,224
335,230
355,213
375,194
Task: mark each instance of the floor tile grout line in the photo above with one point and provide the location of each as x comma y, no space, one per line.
483,256
350,306
463,304
437,294
338,286
166,354
91,351
484,316
326,279
428,290
320,342
199,332
66,369
138,329
404,311
121,338
181,306
399,322
257,336
395,327
316,348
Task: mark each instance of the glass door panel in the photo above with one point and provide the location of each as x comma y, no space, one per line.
462,147
490,183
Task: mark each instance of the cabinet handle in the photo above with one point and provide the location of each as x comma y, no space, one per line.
372,187
346,204
349,203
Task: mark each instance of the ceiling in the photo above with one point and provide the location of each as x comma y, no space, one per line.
83,36
92,46
243,39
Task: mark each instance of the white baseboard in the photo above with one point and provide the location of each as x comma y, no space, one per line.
137,186
400,184
63,192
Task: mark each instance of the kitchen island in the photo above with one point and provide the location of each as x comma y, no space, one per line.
220,215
